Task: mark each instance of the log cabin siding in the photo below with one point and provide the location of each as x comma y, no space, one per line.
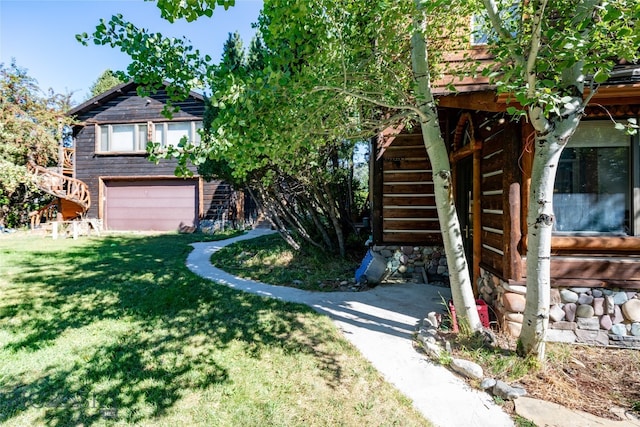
405,213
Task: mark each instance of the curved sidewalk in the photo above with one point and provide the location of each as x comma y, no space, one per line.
380,322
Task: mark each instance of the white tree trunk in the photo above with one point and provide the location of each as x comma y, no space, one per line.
551,138
461,288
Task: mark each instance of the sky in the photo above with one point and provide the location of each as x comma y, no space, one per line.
40,36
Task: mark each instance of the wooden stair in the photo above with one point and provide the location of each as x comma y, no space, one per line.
73,195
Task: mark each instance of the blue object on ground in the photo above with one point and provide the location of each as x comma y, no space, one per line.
372,269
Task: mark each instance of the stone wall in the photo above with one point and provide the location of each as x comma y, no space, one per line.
595,316
419,264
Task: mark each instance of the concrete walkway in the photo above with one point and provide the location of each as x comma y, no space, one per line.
380,323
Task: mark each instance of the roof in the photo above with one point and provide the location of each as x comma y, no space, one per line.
114,92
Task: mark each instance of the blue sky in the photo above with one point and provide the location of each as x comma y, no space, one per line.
40,35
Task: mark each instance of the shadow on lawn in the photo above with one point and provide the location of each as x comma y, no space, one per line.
171,329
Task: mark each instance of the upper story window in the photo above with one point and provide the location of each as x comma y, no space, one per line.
133,138
170,133
482,32
594,188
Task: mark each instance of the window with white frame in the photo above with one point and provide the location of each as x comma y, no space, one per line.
122,138
131,138
171,133
596,182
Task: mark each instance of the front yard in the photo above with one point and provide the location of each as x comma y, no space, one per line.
116,331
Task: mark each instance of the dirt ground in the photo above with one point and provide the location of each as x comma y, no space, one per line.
591,379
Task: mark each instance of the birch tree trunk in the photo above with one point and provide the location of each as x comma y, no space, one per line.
461,289
551,137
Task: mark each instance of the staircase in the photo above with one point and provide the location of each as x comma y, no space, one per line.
73,195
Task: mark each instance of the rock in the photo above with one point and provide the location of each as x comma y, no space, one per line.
568,296
556,313
555,296
585,299
487,383
620,298
443,261
581,290
506,392
560,335
434,318
514,328
403,259
592,337
297,282
617,316
433,350
631,310
514,317
584,310
570,311
441,269
513,302
402,269
588,323
565,326
605,322
619,329
407,250
635,329
467,368
386,253
516,289
609,304
631,294
427,251
598,306
596,293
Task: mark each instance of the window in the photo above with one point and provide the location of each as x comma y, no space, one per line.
122,138
481,30
171,133
593,190
131,138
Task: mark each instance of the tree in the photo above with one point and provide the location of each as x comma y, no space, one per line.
550,52
31,125
337,71
107,80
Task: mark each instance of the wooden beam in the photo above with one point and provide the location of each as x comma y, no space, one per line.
595,244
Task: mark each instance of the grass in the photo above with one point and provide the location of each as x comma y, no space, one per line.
114,330
270,260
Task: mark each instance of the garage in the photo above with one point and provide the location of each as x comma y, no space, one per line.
159,205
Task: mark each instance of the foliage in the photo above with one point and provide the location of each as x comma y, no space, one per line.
551,58
270,260
31,125
116,330
107,80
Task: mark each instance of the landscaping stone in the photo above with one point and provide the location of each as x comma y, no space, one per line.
635,329
560,335
592,337
598,306
514,302
631,310
596,293
570,311
514,317
620,298
516,289
507,392
585,299
605,322
584,310
619,329
568,296
581,290
556,313
609,304
467,368
514,328
588,323
617,315
487,383
564,325
555,296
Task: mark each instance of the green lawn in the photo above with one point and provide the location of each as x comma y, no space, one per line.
116,331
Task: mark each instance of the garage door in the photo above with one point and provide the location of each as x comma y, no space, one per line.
160,205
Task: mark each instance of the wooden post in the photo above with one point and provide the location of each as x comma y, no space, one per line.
54,230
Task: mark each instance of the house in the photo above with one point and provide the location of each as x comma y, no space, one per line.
595,265
124,190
